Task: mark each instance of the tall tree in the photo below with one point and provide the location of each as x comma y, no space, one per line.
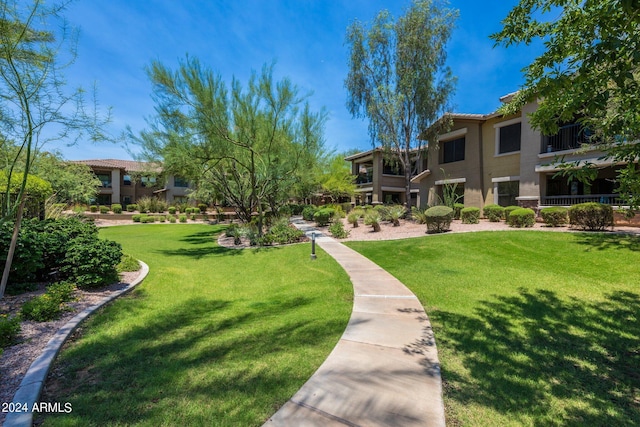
589,71
246,143
398,79
35,46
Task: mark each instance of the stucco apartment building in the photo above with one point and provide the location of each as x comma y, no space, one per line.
378,180
493,158
126,181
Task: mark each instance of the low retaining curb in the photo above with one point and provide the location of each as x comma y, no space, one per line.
30,388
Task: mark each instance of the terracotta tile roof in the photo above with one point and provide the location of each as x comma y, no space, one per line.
127,165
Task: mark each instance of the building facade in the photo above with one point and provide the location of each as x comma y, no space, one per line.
380,180
126,181
493,158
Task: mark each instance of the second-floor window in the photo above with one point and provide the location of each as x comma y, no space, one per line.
509,138
452,150
126,180
105,179
148,181
180,182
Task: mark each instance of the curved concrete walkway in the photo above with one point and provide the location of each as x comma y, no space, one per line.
384,371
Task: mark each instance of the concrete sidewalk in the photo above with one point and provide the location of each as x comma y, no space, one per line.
384,371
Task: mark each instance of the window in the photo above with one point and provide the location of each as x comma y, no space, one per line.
509,138
180,182
103,199
392,168
148,181
507,192
105,179
126,180
453,150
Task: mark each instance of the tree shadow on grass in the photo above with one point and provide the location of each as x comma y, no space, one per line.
193,364
523,352
603,241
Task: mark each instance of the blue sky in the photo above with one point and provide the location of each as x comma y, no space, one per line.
119,38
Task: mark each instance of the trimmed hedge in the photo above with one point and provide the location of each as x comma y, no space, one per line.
308,212
116,208
494,213
522,217
555,217
323,216
132,207
438,219
591,216
508,210
470,215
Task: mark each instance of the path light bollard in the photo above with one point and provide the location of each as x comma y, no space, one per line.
313,245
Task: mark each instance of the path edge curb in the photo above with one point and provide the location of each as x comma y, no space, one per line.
31,385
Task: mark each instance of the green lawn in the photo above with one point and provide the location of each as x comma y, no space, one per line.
212,337
532,328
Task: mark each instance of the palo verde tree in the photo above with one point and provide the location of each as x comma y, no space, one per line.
589,72
35,105
399,81
246,143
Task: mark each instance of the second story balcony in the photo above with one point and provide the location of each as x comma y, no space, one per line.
569,137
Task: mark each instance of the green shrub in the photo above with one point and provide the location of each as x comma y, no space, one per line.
127,263
508,210
182,218
419,214
91,262
42,308
193,217
93,208
383,212
28,256
147,219
172,210
136,217
394,213
308,212
591,216
172,219
522,217
116,208
470,215
9,330
104,209
493,213
281,232
61,291
202,207
132,207
438,219
163,218
232,230
323,216
372,218
337,230
151,204
353,218
457,210
555,217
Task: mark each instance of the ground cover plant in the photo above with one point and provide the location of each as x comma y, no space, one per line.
213,336
532,328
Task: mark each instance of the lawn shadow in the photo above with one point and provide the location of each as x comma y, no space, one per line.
141,373
523,352
603,241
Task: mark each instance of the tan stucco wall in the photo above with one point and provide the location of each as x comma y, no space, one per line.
470,168
496,166
529,150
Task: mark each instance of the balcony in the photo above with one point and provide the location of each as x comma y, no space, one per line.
569,137
567,200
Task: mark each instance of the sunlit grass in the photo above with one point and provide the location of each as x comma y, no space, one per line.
532,328
212,337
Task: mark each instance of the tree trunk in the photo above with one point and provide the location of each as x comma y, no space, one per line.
12,247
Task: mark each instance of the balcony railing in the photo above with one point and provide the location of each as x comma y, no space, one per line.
569,137
609,199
